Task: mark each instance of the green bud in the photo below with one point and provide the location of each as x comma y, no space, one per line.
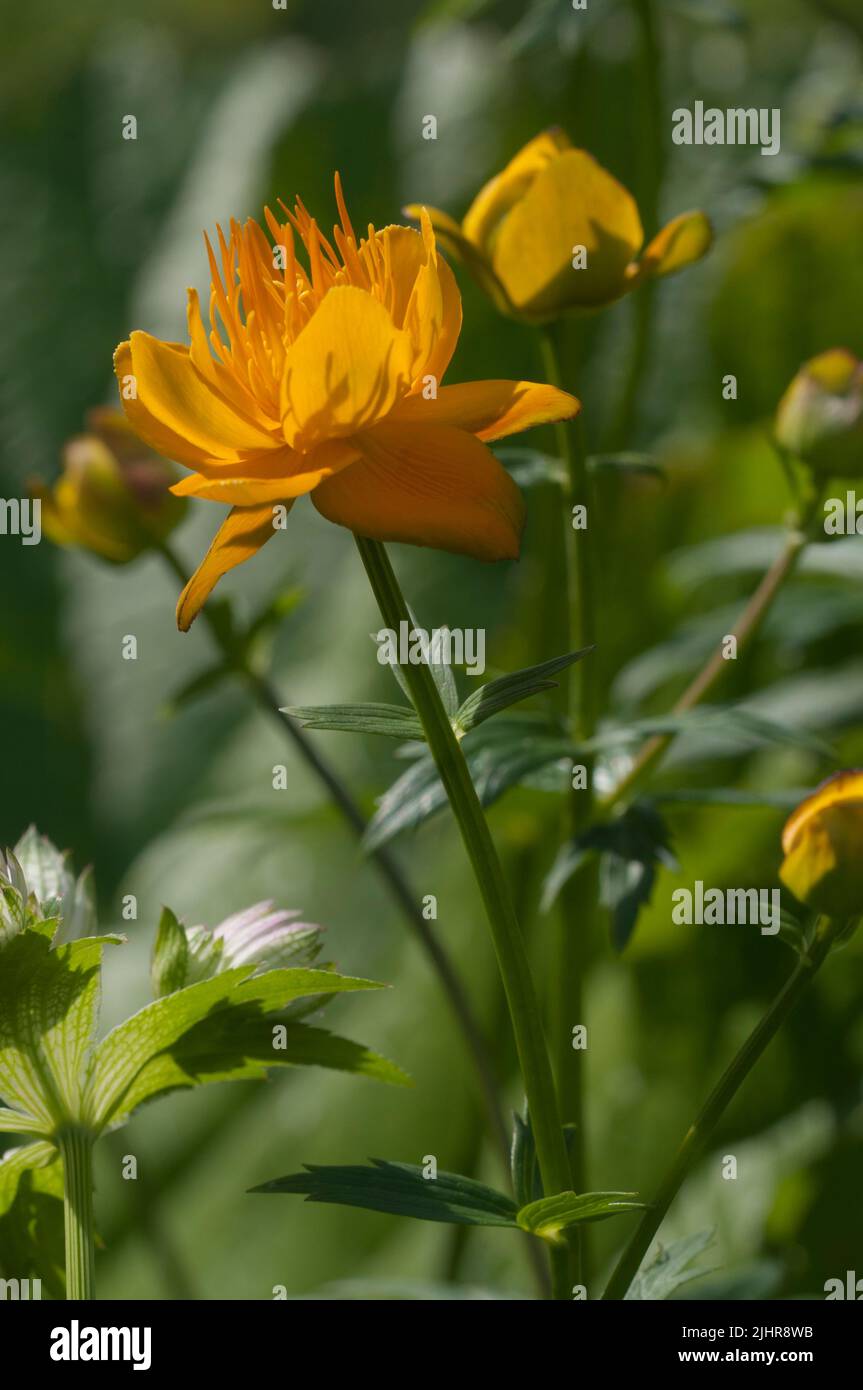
820,417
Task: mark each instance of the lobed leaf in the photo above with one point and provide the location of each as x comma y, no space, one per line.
401,1190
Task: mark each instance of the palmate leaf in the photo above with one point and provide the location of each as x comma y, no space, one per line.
401,1190
32,1235
144,1055
15,1162
48,1003
549,1216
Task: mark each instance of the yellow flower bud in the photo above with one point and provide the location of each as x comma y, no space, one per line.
820,417
823,846
113,496
555,232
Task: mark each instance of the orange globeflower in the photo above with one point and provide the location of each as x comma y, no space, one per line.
554,232
326,381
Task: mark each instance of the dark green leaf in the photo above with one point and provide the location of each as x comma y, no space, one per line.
401,1190
524,1166
508,690
394,721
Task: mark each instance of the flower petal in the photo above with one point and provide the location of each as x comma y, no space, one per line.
684,240
174,402
450,236
490,409
345,370
842,786
495,199
427,302
427,485
270,477
572,202
241,535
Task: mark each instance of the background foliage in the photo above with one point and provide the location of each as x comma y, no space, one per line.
236,104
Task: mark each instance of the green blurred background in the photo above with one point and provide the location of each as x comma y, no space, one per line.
237,104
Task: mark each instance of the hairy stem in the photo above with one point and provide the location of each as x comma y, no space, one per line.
723,1092
76,1149
506,933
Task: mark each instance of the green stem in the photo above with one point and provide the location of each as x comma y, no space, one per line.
745,629
578,897
726,1088
506,934
401,891
76,1148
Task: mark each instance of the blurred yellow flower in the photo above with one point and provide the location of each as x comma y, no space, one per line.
113,496
823,846
326,380
820,417
555,231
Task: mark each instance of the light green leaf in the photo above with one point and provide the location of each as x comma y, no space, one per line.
15,1162
549,1216
531,468
401,1190
16,1122
48,1003
144,1055
669,1268
170,961
393,721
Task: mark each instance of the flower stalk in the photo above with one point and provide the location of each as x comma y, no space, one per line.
578,896
76,1148
506,933
388,867
826,932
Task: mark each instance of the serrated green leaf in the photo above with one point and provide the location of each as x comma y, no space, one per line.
669,1268
32,1234
401,1190
144,1055
508,690
48,1003
393,721
551,1215
16,1162
170,961
17,1122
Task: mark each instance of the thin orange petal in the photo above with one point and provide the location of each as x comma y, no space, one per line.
490,409
241,535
